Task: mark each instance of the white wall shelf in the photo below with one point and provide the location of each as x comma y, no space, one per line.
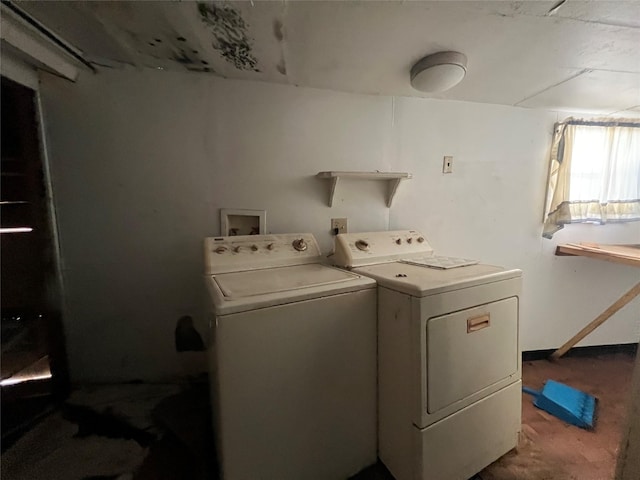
394,179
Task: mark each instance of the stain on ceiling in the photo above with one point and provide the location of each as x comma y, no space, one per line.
571,55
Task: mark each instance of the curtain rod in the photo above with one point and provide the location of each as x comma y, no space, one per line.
603,123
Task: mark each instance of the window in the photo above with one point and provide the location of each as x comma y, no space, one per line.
594,173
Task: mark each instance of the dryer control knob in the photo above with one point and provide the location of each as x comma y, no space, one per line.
271,246
236,249
220,249
420,239
409,240
399,241
299,244
362,245
254,248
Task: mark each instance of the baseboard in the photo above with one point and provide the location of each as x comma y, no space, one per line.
591,351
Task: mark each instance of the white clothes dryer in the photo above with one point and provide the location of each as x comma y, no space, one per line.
292,360
449,361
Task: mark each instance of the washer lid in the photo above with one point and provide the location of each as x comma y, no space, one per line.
272,280
421,281
236,292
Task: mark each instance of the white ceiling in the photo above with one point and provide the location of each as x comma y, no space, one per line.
584,55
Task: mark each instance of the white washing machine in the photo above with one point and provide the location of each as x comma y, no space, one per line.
449,361
293,360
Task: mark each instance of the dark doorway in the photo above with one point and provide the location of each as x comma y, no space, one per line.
34,370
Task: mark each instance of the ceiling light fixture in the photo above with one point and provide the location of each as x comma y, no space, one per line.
439,72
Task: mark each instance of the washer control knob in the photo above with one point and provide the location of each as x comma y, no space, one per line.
271,246
420,239
409,240
236,249
254,248
399,241
220,249
362,245
299,244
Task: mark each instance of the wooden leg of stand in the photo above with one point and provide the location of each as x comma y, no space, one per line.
617,305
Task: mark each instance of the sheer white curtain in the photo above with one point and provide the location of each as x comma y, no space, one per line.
594,173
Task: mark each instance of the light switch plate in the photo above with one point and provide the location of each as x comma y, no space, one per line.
447,164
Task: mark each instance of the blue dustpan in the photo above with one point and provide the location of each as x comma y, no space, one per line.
566,403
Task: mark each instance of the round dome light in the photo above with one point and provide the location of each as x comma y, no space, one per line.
439,72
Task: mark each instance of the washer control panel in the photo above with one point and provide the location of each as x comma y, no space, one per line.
358,249
249,252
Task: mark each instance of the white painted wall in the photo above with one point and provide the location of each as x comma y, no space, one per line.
142,162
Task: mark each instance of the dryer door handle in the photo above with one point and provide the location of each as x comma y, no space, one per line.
478,323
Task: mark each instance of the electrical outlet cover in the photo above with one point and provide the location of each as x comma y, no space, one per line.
338,225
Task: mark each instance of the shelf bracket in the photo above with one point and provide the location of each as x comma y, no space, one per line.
393,188
332,192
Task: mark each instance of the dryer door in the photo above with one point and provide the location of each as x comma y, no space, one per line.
469,351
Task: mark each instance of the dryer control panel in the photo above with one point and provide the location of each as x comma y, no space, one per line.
251,252
358,249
